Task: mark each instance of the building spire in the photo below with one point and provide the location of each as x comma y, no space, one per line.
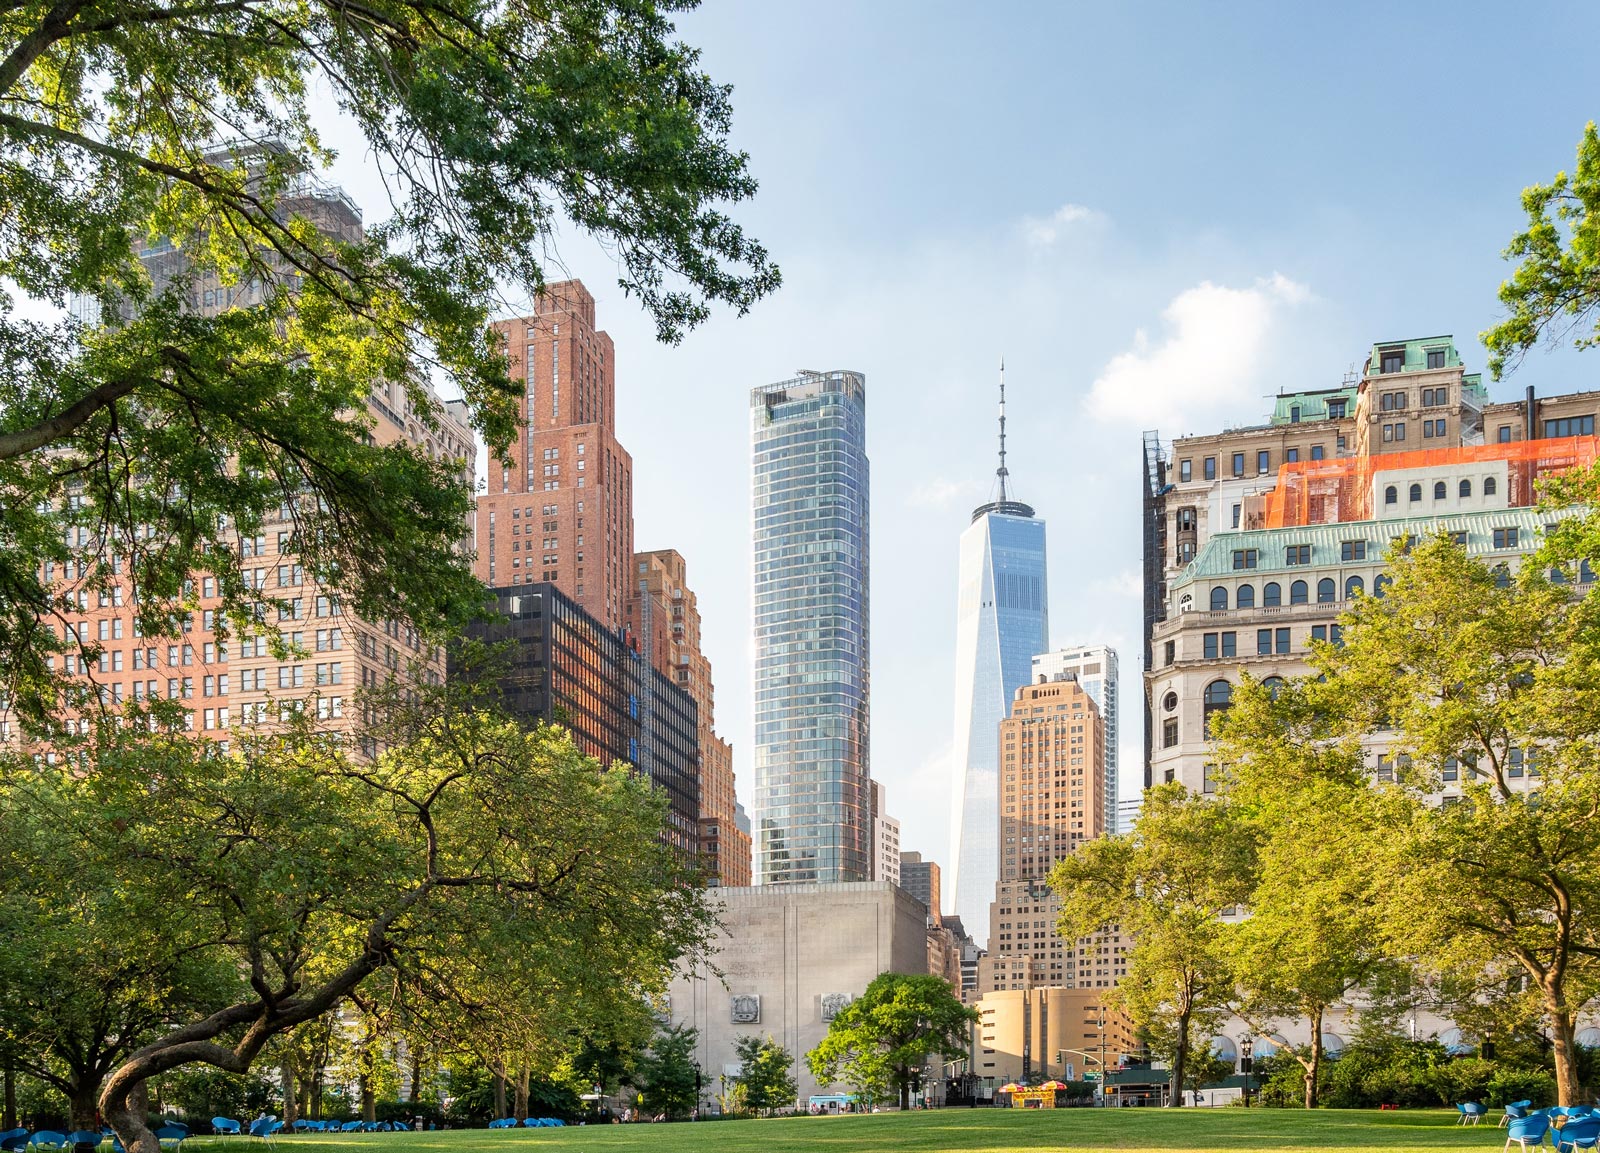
1001,472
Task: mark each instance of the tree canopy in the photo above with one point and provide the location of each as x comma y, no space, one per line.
765,1078
158,159
884,1038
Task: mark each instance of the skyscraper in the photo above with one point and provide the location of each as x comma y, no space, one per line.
1095,668
569,480
1001,622
813,802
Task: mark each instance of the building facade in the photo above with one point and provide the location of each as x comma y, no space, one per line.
920,878
663,625
1033,1035
568,669
785,960
813,797
1002,621
561,510
1094,667
885,838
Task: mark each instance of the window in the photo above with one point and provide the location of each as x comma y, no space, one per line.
1380,583
1451,770
1209,468
1291,455
1415,492
1271,594
1274,686
1439,490
1219,599
1400,430
1208,780
1236,516
1170,701
1264,461
1297,554
1459,537
1489,486
1319,632
1218,696
1281,637
1514,762
1230,644
1354,586
1169,732
1505,537
1391,495
1391,359
1504,435
1245,597
1208,646
1171,651
1298,593
1294,414
1392,402
1570,426
1263,642
1244,558
1436,360
1502,576
1353,550
1465,488
1435,396
1326,591
1336,409
1316,452
1185,471
1238,464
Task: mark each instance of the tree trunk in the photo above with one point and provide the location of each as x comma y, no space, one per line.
1314,1068
903,1077
499,1071
416,1078
291,1098
1563,1043
84,1104
126,1113
315,1092
8,1111
1180,1059
521,1108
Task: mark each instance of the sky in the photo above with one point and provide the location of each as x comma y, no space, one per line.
1160,215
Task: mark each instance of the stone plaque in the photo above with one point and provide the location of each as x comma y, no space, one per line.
833,1004
745,1008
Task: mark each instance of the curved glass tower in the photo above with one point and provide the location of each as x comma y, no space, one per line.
1002,621
813,809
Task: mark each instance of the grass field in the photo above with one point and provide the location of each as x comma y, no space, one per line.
948,1131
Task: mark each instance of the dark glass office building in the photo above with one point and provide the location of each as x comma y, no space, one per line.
568,669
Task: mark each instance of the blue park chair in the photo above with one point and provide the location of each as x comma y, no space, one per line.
1578,1133
13,1141
224,1126
1471,1112
49,1139
1527,1131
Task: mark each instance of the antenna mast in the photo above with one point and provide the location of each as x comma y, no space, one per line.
1001,472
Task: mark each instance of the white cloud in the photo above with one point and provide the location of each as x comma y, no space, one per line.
1209,358
940,493
1042,232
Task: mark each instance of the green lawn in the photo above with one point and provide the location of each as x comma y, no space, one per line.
954,1130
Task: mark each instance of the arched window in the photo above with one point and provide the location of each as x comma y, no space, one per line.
1271,595
1380,583
1391,495
1354,587
1416,492
1502,576
1438,490
1274,686
1245,598
1488,486
1466,488
1327,591
1297,593
1218,696
1219,598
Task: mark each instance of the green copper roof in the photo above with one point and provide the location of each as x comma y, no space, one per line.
1216,558
1312,405
1416,353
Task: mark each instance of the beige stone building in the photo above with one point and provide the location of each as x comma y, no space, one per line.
1031,1035
791,956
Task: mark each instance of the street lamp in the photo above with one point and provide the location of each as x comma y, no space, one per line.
1246,1048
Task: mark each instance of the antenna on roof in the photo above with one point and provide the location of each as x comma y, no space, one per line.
1001,471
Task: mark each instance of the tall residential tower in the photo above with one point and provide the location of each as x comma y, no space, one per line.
813,804
1095,668
1001,622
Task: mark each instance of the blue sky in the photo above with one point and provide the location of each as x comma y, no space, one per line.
1159,213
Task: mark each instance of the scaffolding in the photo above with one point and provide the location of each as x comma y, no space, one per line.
1312,492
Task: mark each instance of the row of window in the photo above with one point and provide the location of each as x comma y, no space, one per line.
1208,464
1391,493
1299,592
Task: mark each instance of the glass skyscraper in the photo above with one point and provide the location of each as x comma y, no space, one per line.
1002,620
813,804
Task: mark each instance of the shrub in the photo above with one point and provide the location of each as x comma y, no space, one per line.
1522,1085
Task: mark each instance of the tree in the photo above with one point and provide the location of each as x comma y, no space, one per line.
156,440
669,1079
1312,932
467,846
764,1074
1471,673
1166,887
886,1035
1555,290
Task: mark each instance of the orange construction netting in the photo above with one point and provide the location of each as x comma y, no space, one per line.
1340,491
